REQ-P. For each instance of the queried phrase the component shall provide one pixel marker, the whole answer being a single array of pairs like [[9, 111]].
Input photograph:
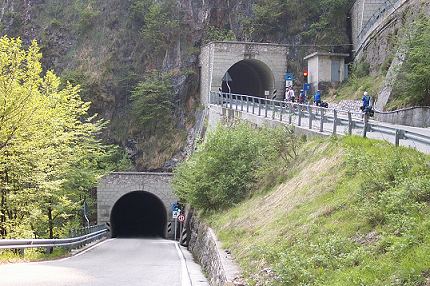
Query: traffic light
[[305, 76]]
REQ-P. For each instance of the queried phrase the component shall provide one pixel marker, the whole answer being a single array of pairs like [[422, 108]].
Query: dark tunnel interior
[[250, 77], [138, 214]]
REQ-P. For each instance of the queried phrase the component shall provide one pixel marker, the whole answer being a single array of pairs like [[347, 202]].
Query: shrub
[[224, 170]]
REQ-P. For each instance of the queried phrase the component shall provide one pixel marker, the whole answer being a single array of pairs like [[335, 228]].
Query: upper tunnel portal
[[255, 69], [249, 77]]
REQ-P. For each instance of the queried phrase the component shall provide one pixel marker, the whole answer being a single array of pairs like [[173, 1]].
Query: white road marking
[[185, 278]]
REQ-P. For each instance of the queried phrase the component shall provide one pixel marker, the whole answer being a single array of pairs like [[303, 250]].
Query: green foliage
[[413, 85], [370, 227], [49, 154], [360, 69], [162, 25], [214, 34], [318, 22], [224, 170], [152, 104], [88, 17], [138, 10]]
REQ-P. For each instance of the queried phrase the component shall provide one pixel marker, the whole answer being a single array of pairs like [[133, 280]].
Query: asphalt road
[[143, 262]]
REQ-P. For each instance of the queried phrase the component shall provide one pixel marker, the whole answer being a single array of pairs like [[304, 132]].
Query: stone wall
[[115, 185], [217, 58], [414, 116], [217, 263], [378, 45]]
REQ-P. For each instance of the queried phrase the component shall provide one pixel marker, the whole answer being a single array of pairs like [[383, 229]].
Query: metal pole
[[299, 123], [290, 117], [334, 121], [259, 106], [265, 108], [176, 221], [349, 123], [273, 110], [281, 111], [247, 104], [310, 116], [322, 120], [366, 125]]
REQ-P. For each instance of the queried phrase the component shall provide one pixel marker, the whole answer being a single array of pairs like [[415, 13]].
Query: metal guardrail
[[318, 118], [93, 234]]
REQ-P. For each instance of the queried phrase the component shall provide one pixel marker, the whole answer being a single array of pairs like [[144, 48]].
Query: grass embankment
[[354, 88], [353, 212], [9, 256]]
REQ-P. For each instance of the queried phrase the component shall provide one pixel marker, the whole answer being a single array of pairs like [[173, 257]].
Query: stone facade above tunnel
[[216, 58], [115, 185]]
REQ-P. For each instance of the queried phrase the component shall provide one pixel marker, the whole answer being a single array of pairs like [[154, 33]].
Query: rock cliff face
[[99, 45]]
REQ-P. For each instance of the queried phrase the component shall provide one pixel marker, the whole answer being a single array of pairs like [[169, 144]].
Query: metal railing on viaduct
[[325, 120]]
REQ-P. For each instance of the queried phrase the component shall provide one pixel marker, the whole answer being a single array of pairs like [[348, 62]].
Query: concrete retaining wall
[[414, 116], [218, 114], [217, 263]]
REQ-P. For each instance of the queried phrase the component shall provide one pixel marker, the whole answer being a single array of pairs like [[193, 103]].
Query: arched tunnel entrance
[[250, 77], [138, 214]]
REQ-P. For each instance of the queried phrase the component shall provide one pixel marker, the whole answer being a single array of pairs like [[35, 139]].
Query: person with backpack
[[302, 97], [367, 106]]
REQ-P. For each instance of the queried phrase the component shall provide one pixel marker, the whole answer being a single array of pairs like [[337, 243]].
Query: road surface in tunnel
[[249, 77], [114, 262], [138, 214]]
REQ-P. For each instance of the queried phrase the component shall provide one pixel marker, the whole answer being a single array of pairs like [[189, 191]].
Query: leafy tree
[[152, 104], [161, 25], [46, 137], [233, 160], [216, 34]]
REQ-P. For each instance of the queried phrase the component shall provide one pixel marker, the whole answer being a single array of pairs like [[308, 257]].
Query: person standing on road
[[367, 106], [366, 102], [317, 98], [291, 94], [302, 97]]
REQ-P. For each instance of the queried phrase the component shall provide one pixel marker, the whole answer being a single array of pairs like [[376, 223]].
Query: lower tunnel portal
[[138, 214]]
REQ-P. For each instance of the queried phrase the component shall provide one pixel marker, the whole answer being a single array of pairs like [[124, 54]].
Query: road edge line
[[184, 268]]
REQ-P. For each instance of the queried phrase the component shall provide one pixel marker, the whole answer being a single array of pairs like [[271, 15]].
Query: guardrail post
[[230, 97], [290, 116], [241, 103], [281, 111], [350, 123], [265, 108], [400, 134], [299, 123], [366, 125], [259, 106], [334, 121], [247, 104], [322, 120], [310, 116], [273, 109], [253, 105]]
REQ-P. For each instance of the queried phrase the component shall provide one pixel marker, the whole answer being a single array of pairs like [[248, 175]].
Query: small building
[[326, 68]]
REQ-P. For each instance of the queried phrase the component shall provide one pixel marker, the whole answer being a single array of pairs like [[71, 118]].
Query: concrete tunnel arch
[[250, 77], [138, 214]]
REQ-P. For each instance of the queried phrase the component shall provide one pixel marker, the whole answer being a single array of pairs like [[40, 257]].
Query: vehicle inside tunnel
[[249, 77], [138, 214]]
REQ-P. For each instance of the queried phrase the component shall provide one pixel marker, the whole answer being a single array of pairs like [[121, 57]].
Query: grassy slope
[[353, 89], [327, 226]]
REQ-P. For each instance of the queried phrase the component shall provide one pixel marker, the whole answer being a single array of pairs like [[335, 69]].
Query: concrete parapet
[[414, 116]]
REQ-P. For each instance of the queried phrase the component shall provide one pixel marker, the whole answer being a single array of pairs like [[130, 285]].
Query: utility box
[[326, 68]]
